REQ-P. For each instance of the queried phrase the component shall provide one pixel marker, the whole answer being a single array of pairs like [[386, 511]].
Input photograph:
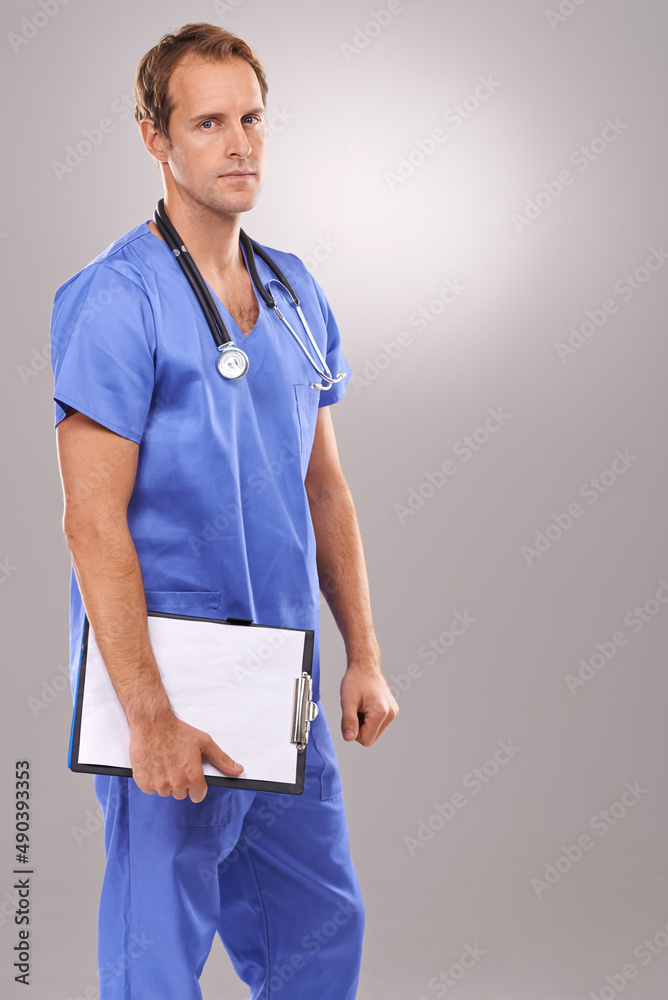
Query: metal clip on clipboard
[[304, 711], [273, 751]]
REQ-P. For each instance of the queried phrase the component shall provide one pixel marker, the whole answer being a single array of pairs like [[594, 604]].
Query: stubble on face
[[224, 95]]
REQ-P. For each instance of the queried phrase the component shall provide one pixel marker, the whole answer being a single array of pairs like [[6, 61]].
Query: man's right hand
[[166, 757], [99, 469]]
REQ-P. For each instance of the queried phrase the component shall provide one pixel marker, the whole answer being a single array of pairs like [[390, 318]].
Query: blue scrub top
[[219, 514]]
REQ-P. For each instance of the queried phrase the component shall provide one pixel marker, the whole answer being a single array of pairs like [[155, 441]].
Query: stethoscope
[[232, 362]]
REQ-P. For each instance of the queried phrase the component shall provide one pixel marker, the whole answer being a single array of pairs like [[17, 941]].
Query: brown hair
[[153, 73]]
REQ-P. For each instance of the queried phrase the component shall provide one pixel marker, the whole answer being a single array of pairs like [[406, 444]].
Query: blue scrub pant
[[271, 873]]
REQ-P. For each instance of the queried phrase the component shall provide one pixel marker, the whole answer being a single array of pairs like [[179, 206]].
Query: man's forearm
[[110, 581], [342, 571]]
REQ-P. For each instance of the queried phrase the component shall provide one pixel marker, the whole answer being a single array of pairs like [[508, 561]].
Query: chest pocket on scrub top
[[307, 413]]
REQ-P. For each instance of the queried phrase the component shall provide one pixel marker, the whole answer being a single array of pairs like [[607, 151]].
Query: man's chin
[[235, 206]]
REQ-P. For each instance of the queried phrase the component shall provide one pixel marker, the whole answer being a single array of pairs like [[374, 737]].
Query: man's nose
[[237, 142]]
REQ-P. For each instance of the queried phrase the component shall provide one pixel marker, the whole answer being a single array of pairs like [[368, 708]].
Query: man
[[191, 494]]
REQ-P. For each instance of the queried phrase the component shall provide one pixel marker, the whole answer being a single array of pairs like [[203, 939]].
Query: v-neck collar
[[228, 318]]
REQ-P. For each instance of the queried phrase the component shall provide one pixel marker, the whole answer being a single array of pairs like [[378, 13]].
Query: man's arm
[[98, 470], [367, 703]]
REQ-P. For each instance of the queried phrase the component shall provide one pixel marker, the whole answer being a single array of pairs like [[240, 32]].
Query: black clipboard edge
[[75, 734], [296, 788]]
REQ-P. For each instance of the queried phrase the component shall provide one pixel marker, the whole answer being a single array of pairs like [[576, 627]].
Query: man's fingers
[[368, 706], [384, 725], [375, 730], [167, 777], [390, 716], [220, 759], [350, 723], [376, 721], [370, 728], [198, 789], [191, 783]]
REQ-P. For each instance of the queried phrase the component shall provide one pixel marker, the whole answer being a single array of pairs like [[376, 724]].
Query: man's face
[[218, 134]]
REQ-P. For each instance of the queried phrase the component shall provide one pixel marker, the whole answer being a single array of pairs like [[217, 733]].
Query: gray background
[[346, 120]]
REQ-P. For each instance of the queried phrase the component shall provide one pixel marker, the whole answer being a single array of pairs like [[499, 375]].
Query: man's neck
[[211, 238]]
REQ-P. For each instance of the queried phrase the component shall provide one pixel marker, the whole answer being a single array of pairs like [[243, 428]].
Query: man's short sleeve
[[336, 361], [102, 350]]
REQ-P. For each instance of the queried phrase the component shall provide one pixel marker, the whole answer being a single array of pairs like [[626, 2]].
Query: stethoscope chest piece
[[232, 362]]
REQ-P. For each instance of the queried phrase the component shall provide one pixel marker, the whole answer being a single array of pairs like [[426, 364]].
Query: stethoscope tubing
[[192, 273], [212, 315]]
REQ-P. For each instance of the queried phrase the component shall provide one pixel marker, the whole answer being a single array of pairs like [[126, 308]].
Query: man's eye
[[251, 118], [207, 122]]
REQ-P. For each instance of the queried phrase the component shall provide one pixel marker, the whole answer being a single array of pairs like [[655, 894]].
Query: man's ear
[[155, 142]]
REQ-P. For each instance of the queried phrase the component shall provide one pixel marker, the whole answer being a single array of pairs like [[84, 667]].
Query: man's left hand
[[368, 704]]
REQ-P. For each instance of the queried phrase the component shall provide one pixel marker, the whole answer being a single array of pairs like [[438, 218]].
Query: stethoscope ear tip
[[318, 385]]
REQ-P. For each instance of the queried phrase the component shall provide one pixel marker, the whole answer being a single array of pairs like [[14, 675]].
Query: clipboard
[[248, 685]]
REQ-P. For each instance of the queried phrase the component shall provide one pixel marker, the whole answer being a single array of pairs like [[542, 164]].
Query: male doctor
[[191, 494]]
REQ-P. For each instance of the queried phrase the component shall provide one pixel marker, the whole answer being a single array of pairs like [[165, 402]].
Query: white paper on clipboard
[[235, 682]]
